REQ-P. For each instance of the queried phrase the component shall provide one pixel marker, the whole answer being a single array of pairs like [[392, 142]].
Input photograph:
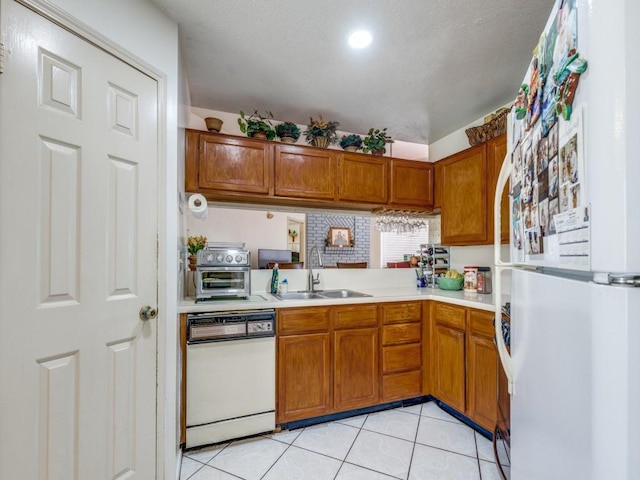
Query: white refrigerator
[[573, 171]]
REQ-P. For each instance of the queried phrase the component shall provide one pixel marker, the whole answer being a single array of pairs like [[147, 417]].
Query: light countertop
[[262, 300]]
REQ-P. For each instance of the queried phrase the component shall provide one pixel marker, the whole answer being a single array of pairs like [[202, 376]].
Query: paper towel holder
[[198, 206]]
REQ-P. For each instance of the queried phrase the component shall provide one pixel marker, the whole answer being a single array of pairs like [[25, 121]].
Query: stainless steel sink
[[342, 294], [298, 296], [319, 294]]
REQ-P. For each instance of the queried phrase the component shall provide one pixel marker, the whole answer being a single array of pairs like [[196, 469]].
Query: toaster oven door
[[223, 282]]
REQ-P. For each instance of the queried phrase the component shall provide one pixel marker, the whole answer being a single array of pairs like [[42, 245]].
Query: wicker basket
[[489, 130]]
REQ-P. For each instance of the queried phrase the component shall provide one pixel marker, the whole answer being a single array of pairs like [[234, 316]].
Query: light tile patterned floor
[[414, 443]]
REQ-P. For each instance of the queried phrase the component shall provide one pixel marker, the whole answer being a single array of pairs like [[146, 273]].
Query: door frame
[[66, 21]]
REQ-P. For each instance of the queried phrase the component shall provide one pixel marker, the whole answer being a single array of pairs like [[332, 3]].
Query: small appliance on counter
[[223, 270]]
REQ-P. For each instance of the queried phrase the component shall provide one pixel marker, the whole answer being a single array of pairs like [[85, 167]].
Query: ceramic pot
[[287, 139], [259, 135], [193, 261], [213, 124], [351, 148], [377, 152]]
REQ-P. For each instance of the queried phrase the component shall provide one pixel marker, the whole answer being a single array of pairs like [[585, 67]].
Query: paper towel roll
[[198, 206]]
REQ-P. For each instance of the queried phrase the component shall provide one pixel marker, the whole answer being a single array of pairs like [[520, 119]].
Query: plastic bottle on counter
[[284, 286], [484, 280], [274, 279]]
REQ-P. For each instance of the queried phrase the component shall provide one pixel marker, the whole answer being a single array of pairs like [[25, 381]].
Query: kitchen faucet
[[316, 280]]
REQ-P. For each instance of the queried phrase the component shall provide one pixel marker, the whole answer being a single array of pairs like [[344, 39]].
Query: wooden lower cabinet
[[345, 357], [482, 370], [304, 376], [464, 361], [401, 350], [448, 374], [355, 379]]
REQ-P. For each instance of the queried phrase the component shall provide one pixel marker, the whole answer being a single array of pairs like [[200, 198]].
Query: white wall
[[256, 228], [142, 29], [398, 149], [454, 142]]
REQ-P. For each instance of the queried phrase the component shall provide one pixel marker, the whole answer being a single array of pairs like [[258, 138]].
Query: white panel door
[[78, 257]]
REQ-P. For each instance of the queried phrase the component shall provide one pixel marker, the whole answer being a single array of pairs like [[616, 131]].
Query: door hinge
[[1, 58]]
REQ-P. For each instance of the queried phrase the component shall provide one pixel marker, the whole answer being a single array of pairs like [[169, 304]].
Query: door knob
[[147, 313]]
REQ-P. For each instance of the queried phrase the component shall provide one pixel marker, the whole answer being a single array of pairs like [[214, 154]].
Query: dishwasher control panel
[[214, 327]]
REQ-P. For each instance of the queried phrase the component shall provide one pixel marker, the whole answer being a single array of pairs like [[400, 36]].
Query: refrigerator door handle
[[505, 358]]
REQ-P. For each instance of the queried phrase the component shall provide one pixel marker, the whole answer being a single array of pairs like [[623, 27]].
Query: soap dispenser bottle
[[274, 280]]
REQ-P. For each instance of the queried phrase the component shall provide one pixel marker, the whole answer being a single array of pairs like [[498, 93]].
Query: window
[[394, 246]]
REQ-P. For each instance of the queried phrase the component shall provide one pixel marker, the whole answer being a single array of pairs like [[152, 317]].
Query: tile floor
[[420, 442]]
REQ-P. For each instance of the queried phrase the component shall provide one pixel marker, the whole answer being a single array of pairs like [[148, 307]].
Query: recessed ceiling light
[[360, 39]]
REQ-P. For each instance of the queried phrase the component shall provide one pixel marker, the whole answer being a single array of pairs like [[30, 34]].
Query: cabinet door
[[362, 178], [233, 164], [302, 172], [411, 183], [496, 151], [448, 365], [355, 368], [482, 381], [304, 376], [482, 370], [464, 198]]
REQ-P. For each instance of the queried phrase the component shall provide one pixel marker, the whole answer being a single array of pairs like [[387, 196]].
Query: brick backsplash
[[318, 231]]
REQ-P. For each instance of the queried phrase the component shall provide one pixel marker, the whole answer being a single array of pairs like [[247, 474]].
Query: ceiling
[[433, 67]]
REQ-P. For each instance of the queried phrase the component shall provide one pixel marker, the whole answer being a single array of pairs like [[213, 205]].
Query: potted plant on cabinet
[[351, 143], [195, 244], [320, 133], [376, 140], [288, 132], [257, 125]]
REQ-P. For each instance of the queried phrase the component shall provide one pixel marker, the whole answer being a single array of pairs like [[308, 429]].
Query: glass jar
[[484, 280]]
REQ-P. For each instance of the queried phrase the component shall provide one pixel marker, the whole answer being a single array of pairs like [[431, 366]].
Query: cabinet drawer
[[481, 323], [451, 315], [402, 385], [401, 357], [292, 321], [355, 317], [401, 312], [401, 333]]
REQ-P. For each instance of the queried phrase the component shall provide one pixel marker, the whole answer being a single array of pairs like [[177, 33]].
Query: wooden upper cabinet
[[362, 178], [302, 172], [227, 164], [496, 152], [411, 184], [464, 198], [437, 187]]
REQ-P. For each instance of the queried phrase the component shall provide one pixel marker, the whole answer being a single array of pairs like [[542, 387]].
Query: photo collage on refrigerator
[[548, 156]]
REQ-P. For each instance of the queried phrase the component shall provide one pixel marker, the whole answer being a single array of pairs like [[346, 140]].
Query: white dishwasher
[[230, 375]]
